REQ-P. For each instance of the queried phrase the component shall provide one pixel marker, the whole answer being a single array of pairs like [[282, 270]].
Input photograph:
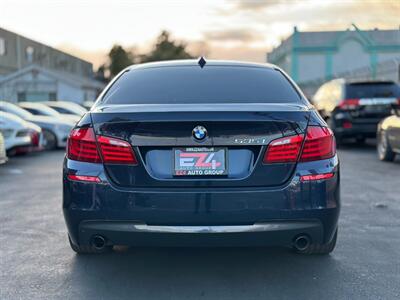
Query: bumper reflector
[[83, 178], [316, 177]]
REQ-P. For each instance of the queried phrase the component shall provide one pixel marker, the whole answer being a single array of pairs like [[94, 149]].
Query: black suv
[[353, 109]]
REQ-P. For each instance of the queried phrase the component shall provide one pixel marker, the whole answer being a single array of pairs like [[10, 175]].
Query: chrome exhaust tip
[[302, 242], [98, 242]]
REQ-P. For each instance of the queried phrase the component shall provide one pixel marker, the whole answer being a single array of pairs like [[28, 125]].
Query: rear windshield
[[372, 90], [191, 84]]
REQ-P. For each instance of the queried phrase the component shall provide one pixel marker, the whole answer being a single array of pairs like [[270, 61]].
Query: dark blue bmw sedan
[[184, 153]]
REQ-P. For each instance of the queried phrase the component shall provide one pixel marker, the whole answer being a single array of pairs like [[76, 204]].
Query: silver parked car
[[65, 108], [55, 130], [40, 109], [3, 155]]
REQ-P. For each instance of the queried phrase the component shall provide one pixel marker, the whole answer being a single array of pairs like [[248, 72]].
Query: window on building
[[52, 96], [21, 97], [29, 52], [36, 96], [2, 46]]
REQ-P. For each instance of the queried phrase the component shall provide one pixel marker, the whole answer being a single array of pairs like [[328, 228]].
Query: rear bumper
[[357, 130], [17, 142], [273, 233], [359, 127], [253, 216]]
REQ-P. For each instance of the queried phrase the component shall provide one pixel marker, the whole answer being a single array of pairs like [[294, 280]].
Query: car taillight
[[347, 124], [84, 178], [116, 151], [82, 146], [312, 177], [319, 144], [349, 104], [35, 138], [283, 150]]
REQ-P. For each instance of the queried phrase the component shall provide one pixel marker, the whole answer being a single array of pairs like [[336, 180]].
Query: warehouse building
[[311, 58], [32, 71]]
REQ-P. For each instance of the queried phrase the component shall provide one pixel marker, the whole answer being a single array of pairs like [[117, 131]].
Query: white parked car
[[19, 135], [3, 155], [40, 109], [68, 109], [55, 130], [88, 104]]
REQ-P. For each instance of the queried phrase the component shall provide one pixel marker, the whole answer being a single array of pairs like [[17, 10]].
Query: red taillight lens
[[116, 151], [347, 125], [349, 104], [316, 177], [82, 146], [83, 178], [34, 138], [283, 150], [319, 144]]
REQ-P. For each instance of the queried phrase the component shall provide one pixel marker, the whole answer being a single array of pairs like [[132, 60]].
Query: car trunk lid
[[242, 131]]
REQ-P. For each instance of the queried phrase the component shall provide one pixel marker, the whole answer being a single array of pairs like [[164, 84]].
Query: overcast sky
[[221, 29]]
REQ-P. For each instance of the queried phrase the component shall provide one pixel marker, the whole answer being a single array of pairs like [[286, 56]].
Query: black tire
[[322, 249], [383, 148], [88, 249], [50, 140]]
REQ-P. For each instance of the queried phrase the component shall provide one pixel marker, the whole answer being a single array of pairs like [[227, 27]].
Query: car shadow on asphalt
[[241, 273]]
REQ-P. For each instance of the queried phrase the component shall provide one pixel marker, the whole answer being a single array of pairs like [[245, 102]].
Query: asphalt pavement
[[37, 263]]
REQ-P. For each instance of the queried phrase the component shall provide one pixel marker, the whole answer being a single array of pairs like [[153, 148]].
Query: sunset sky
[[242, 30]]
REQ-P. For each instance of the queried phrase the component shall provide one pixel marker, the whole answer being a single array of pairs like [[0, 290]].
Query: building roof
[[72, 79], [44, 45], [329, 40]]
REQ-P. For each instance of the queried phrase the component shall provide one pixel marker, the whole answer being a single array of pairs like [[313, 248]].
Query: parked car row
[[35, 126], [360, 110]]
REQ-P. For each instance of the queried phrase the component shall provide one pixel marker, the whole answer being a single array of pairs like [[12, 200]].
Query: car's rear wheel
[[315, 248], [384, 150], [49, 140], [88, 249]]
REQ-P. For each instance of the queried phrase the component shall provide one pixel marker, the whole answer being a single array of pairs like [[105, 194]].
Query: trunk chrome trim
[[136, 226], [257, 227], [204, 107]]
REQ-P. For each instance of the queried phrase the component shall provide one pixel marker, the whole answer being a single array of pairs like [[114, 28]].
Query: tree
[[100, 74], [166, 49], [119, 59]]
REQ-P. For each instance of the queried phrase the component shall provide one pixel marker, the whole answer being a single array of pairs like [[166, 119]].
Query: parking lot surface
[[37, 263]]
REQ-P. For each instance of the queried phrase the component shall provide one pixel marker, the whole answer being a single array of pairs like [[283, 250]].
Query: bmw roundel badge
[[199, 133]]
